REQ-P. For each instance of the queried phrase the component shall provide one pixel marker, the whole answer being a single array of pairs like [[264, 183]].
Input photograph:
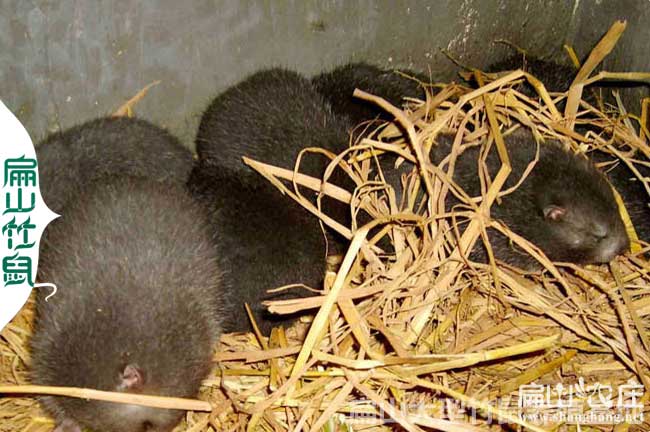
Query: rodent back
[[555, 76], [337, 87], [269, 116], [265, 239], [73, 159], [140, 290]]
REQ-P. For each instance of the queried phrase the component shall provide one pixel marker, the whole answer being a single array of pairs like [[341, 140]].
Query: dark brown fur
[[270, 240], [555, 76], [589, 229], [139, 305], [337, 86], [267, 240], [270, 116], [71, 160]]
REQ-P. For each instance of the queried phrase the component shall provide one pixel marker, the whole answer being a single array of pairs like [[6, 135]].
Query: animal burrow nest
[[408, 333]]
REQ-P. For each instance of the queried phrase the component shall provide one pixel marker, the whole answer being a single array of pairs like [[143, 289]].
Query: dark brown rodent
[[558, 77], [270, 240], [565, 206], [71, 160], [140, 303], [584, 225]]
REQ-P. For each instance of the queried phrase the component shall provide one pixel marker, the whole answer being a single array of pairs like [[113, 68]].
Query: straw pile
[[417, 337]]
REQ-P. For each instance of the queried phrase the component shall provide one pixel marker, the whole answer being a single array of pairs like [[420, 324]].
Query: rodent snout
[[612, 246]]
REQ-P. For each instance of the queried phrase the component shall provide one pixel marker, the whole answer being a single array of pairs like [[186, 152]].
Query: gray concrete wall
[[65, 61]]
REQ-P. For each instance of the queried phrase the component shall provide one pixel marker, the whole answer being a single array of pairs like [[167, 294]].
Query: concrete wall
[[65, 61]]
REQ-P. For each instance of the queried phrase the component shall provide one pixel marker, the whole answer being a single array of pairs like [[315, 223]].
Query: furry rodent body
[[270, 116], [337, 86], [558, 77], [266, 241], [565, 206], [585, 224], [71, 160], [139, 303], [270, 240]]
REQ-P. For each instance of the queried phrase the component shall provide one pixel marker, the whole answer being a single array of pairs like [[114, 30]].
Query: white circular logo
[[23, 218]]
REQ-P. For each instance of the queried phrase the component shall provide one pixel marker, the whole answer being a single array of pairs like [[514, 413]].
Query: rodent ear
[[132, 378], [554, 213]]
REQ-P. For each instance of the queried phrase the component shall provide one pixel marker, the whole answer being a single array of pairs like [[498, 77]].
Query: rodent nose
[[613, 247]]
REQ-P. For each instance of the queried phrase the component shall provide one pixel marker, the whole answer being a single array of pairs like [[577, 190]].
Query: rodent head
[[581, 236], [136, 311], [580, 218], [151, 359], [109, 417], [115, 417], [564, 206], [163, 373]]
